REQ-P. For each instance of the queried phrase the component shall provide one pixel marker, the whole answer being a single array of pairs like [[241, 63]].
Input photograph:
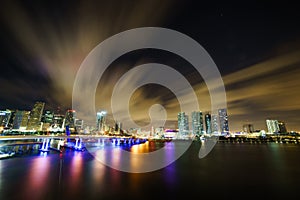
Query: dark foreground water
[[230, 171]]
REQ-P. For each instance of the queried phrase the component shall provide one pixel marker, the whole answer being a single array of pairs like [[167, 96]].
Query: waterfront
[[229, 171]]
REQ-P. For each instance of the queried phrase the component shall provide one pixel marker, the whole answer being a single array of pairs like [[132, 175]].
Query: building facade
[[215, 124], [208, 128], [101, 120], [69, 122], [183, 124], [197, 123], [34, 121], [223, 118]]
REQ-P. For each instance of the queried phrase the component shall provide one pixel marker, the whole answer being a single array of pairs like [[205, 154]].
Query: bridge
[[44, 143]]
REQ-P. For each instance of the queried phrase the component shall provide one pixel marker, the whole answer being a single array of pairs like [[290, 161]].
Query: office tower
[[24, 121], [183, 123], [223, 118], [248, 128], [118, 127], [208, 123], [4, 118], [272, 126], [58, 120], [48, 117], [215, 124], [79, 124], [34, 121], [11, 120], [101, 120], [197, 123], [18, 119], [70, 120], [282, 127]]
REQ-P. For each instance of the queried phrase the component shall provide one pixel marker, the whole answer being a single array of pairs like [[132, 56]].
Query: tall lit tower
[[70, 120], [223, 121], [4, 118], [35, 116], [282, 127], [24, 121], [18, 119], [248, 128], [208, 123], [118, 127], [183, 123], [197, 123], [48, 117], [272, 126], [58, 120], [101, 120], [215, 124]]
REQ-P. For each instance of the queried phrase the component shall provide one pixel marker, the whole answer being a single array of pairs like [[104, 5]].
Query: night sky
[[255, 45]]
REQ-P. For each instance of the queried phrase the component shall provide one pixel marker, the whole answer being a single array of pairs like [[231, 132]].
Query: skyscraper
[[4, 118], [208, 123], [282, 127], [118, 127], [48, 117], [18, 119], [248, 128], [24, 121], [183, 124], [58, 120], [272, 126], [70, 120], [101, 120], [223, 118], [34, 121], [215, 124], [79, 124], [197, 123], [12, 118]]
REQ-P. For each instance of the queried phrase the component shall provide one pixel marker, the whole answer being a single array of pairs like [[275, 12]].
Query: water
[[234, 171]]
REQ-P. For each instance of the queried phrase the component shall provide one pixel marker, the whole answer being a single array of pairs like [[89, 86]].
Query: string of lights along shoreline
[[39, 120]]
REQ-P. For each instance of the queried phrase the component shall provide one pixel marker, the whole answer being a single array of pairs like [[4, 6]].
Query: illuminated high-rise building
[[34, 121], [12, 118], [48, 117], [282, 127], [70, 120], [4, 118], [272, 126], [101, 120], [248, 128], [208, 128], [197, 123], [58, 120], [24, 121], [18, 119], [183, 124], [223, 118], [79, 124], [215, 124], [118, 127]]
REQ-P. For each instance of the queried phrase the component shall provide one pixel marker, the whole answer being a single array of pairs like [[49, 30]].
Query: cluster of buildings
[[38, 119], [203, 123], [273, 127]]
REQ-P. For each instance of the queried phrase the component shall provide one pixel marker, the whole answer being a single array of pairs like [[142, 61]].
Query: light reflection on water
[[38, 174], [76, 169]]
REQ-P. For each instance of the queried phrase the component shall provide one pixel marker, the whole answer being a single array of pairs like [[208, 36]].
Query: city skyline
[[196, 122], [254, 45]]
